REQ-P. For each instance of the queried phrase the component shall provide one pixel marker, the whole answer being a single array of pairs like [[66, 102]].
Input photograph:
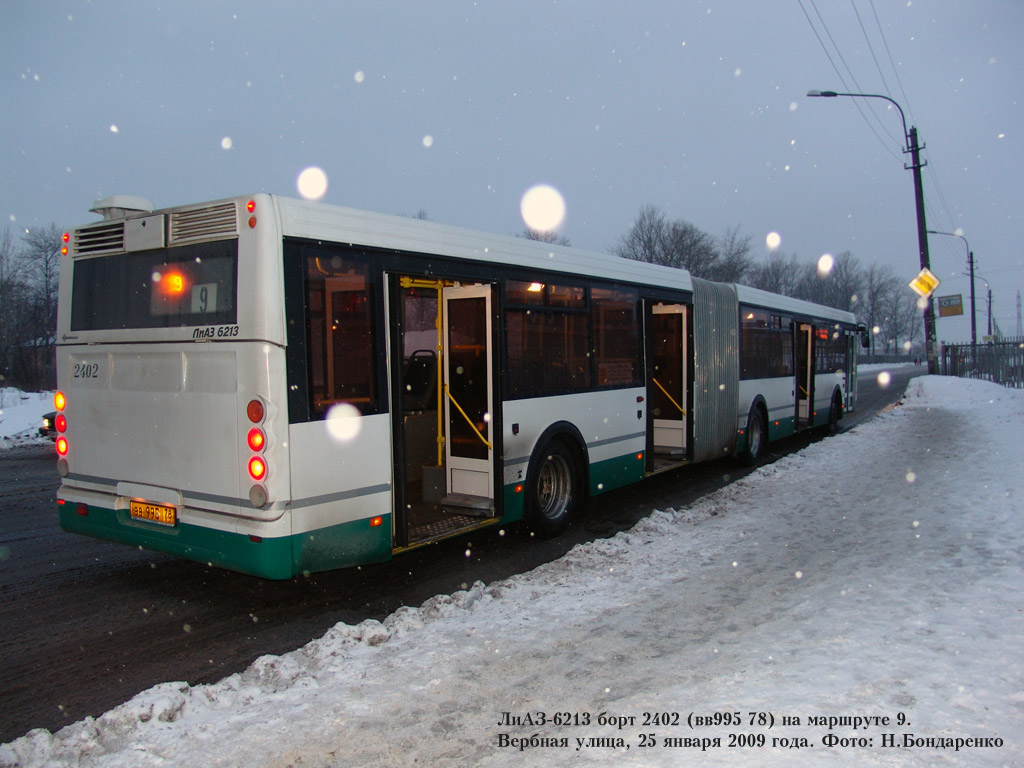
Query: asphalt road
[[87, 624]]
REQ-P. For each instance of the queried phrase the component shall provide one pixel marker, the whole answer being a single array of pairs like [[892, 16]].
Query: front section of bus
[[171, 370]]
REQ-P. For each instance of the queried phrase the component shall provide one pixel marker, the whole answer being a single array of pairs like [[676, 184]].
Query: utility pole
[[970, 265], [922, 244], [922, 230], [974, 325]]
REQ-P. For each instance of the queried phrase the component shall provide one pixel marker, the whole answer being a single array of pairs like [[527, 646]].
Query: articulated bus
[[279, 387]]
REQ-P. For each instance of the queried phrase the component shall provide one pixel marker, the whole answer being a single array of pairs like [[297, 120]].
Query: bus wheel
[[834, 414], [552, 489], [757, 437]]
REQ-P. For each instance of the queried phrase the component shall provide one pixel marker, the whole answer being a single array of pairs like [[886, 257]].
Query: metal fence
[[999, 361]]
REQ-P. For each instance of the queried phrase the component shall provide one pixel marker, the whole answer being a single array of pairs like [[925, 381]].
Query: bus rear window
[[164, 288]]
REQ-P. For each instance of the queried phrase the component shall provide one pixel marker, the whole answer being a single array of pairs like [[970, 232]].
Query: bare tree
[[656, 240], [912, 321], [13, 294], [734, 261], [837, 284], [552, 237], [28, 306], [645, 239], [844, 282], [689, 248], [779, 274], [41, 256], [901, 323], [880, 283]]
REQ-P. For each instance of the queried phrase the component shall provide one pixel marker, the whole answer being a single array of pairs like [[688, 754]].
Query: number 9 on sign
[[204, 298]]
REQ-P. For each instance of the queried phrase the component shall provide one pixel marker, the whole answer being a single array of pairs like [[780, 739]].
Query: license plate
[[154, 513]]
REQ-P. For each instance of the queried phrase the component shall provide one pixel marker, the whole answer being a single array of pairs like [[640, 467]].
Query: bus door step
[[664, 450], [478, 506]]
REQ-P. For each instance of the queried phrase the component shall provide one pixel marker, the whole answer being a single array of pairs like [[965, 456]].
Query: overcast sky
[[457, 108]]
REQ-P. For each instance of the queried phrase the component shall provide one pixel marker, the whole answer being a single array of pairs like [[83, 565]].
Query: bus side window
[[341, 334]]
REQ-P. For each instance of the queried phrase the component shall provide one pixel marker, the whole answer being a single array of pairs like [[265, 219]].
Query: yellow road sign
[[925, 283]]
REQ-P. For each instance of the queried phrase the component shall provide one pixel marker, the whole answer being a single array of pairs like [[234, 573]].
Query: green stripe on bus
[[604, 476], [781, 428], [614, 473], [514, 503], [337, 546], [777, 429]]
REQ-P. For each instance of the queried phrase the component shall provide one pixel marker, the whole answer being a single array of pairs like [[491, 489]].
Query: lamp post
[[922, 234], [970, 266], [989, 288]]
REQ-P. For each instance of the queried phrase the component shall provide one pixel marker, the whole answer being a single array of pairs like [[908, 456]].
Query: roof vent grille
[[204, 223], [107, 237]]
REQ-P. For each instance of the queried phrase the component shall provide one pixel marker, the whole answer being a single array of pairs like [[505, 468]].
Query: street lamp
[[922, 237], [970, 266], [989, 288]]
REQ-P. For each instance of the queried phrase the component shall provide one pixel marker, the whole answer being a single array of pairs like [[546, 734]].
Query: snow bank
[[21, 414], [865, 592]]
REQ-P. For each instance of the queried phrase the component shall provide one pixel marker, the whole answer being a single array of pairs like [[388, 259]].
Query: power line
[[867, 39], [846, 87], [942, 197], [946, 208], [858, 88], [896, 72], [853, 77], [945, 213]]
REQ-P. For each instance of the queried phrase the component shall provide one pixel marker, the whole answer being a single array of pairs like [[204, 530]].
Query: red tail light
[[257, 468], [60, 402], [256, 439]]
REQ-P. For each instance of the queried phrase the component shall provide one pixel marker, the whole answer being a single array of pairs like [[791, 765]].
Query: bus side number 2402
[[86, 371]]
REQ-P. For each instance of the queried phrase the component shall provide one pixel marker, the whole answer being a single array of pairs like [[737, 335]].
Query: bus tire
[[835, 413], [552, 488], [757, 437]]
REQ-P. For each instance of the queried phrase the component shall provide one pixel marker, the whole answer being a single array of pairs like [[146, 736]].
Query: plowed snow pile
[[864, 598]]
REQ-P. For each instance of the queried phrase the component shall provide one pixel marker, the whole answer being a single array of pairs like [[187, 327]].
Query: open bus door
[[443, 392], [468, 401], [667, 386], [850, 404], [804, 374], [854, 339]]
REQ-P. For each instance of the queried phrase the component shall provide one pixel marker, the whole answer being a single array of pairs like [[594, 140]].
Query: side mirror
[[865, 337]]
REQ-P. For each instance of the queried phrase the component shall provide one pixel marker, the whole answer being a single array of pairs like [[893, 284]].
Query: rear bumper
[[278, 557]]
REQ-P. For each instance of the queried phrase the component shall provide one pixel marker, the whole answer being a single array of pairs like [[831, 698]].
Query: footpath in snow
[[857, 603]]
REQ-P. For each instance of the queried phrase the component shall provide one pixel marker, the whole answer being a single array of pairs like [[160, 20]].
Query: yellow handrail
[[435, 285], [670, 398], [468, 420]]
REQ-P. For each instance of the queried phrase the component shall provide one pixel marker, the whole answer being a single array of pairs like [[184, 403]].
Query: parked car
[[48, 427]]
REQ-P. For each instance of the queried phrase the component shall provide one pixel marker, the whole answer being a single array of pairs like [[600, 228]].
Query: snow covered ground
[[857, 603], [21, 414]]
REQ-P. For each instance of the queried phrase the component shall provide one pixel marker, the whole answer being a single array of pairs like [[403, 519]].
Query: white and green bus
[[278, 387]]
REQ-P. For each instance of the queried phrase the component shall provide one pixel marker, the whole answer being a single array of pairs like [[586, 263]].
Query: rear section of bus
[[171, 371]]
